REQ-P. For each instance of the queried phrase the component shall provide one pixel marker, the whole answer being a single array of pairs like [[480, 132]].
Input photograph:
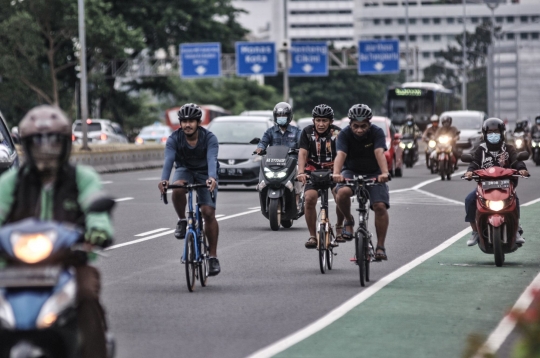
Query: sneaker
[[473, 240], [519, 239], [213, 264], [180, 232]]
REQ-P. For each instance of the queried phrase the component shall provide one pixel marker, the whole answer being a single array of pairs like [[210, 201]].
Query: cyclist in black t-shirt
[[317, 151]]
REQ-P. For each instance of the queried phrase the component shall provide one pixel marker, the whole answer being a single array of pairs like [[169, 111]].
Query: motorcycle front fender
[[496, 220], [275, 193]]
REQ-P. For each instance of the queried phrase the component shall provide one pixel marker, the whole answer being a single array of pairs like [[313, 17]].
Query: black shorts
[[377, 193], [312, 187]]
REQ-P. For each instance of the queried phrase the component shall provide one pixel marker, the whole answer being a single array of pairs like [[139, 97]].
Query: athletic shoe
[[213, 264], [180, 232], [473, 240]]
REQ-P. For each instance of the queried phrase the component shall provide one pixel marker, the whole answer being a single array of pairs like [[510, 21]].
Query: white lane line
[[107, 182], [506, 326], [153, 178], [123, 199], [340, 311], [219, 216], [152, 232], [171, 231], [255, 207], [440, 197], [531, 202], [424, 183]]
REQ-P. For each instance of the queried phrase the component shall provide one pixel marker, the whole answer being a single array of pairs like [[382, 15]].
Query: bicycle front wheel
[[360, 256], [367, 260], [203, 264], [191, 265], [322, 249]]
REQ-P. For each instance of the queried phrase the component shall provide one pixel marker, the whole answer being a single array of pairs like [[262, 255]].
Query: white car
[[156, 133], [100, 131]]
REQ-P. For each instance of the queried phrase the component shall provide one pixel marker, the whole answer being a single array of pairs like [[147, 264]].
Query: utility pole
[[406, 40], [492, 4], [82, 63], [464, 61], [286, 56]]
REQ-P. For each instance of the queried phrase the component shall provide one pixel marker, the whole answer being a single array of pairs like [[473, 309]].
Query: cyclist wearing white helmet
[[360, 151]]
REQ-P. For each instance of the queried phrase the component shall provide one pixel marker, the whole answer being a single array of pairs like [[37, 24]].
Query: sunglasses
[[360, 125]]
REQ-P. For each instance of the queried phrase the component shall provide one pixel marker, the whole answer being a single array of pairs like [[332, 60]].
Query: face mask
[[409, 123], [494, 138], [282, 121]]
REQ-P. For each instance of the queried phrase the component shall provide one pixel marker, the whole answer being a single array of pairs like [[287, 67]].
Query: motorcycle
[[430, 148], [276, 186], [442, 158], [38, 288], [410, 150], [520, 141], [535, 145], [497, 210]]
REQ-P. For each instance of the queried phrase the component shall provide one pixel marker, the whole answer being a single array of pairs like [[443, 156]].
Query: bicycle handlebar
[[189, 187]]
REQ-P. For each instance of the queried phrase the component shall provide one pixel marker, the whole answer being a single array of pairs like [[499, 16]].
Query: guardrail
[[108, 158]]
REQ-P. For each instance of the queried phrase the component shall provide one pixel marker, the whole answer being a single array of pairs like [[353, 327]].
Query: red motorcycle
[[497, 212]]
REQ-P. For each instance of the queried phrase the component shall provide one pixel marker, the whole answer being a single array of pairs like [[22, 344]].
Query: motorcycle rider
[[536, 127], [194, 150], [429, 133], [452, 132], [493, 152], [410, 128], [360, 151], [523, 127], [317, 151], [49, 188]]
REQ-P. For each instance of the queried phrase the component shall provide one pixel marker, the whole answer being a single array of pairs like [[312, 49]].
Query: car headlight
[[432, 143], [495, 205], [402, 145], [409, 145], [444, 139], [32, 248], [139, 140], [56, 304]]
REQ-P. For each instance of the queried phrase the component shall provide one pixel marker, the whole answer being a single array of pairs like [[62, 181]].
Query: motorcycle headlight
[[7, 318], [56, 304], [444, 139], [534, 144], [432, 143], [495, 205], [271, 175], [409, 145], [519, 142], [32, 248], [402, 145]]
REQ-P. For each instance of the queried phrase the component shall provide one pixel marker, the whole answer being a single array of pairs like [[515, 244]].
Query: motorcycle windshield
[[276, 156]]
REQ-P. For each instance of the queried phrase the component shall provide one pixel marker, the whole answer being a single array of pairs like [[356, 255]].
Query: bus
[[421, 99], [209, 112]]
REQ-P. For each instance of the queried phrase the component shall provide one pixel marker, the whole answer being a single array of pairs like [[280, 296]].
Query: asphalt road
[[270, 285]]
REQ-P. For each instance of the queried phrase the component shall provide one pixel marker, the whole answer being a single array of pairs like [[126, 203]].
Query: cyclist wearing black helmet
[[317, 151], [193, 150], [494, 152], [360, 151]]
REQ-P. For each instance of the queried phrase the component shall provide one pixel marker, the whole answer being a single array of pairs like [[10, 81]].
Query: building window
[[388, 37], [450, 37], [524, 19], [412, 38], [412, 21], [510, 19], [436, 20], [474, 20], [524, 36], [426, 54], [322, 12], [376, 21], [388, 21], [307, 26], [486, 19], [450, 20], [377, 37], [499, 19], [401, 37], [534, 35], [436, 37], [510, 36], [401, 21], [390, 4], [425, 21], [426, 37]]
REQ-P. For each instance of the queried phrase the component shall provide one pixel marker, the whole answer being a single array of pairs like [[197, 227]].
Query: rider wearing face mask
[[448, 129], [494, 152], [410, 128], [536, 127]]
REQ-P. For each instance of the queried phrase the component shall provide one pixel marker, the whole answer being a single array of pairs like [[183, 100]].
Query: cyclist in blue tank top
[[193, 150], [360, 151]]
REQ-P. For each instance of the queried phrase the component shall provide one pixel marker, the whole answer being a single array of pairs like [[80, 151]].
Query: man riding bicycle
[[317, 151], [193, 150], [360, 151]]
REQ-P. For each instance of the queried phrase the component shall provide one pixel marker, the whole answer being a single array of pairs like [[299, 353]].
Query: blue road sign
[[200, 60], [378, 57], [256, 58], [309, 59]]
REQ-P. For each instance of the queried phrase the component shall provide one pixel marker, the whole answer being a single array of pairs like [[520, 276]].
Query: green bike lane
[[428, 311]]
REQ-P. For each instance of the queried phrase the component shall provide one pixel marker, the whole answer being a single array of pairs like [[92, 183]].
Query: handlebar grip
[[164, 198]]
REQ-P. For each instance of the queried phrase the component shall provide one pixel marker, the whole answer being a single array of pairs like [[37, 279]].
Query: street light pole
[[286, 57], [82, 63], [464, 61], [492, 4], [406, 40]]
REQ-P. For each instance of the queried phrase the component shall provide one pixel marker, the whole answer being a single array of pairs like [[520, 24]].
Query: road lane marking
[[531, 202], [123, 199], [152, 179], [343, 309], [424, 183], [440, 197], [219, 216], [255, 207], [152, 232], [107, 182]]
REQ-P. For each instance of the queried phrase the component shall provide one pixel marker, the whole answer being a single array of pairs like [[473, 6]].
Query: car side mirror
[[467, 158], [255, 140], [523, 156]]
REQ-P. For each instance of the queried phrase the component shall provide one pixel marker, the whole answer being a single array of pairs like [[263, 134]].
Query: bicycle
[[196, 250], [364, 251], [322, 181]]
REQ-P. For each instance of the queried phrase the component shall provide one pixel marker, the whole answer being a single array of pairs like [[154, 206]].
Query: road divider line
[[152, 232], [353, 302], [219, 216], [440, 197], [531, 202], [424, 183], [123, 199], [107, 182], [150, 179], [255, 207]]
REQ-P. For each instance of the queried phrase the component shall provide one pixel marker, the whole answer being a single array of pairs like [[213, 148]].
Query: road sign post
[[256, 58], [200, 60], [309, 59], [378, 57]]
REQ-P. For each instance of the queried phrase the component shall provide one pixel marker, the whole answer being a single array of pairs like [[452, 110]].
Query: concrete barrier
[[108, 158]]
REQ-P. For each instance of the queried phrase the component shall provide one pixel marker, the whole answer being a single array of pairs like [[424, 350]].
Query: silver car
[[156, 133], [237, 164], [100, 131], [469, 123]]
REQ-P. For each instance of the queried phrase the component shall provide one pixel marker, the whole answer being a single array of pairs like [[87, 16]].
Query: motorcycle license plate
[[496, 184], [29, 276], [231, 172]]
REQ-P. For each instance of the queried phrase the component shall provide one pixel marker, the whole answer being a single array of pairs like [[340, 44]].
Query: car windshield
[[467, 122], [92, 127], [155, 131], [241, 132]]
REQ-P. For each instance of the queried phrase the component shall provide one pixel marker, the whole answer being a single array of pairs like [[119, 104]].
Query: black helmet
[[190, 111], [283, 109], [323, 111], [446, 119], [537, 120], [522, 124], [360, 112], [493, 123]]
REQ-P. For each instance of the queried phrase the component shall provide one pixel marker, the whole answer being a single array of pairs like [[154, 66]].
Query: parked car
[[469, 123], [304, 122], [155, 133], [8, 154], [100, 131], [237, 164], [394, 154]]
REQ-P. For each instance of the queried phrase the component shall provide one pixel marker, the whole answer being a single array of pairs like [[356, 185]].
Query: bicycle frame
[[324, 218], [193, 227]]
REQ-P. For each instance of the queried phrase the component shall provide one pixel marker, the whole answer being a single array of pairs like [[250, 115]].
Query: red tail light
[[164, 140], [103, 136], [73, 137]]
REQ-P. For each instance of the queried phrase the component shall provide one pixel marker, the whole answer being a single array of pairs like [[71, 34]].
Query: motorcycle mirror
[[101, 205], [255, 140], [467, 158], [523, 156]]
